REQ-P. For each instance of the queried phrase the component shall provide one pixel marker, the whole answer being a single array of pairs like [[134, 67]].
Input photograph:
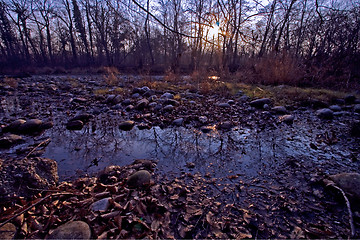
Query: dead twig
[[39, 145], [33, 205], [351, 221]]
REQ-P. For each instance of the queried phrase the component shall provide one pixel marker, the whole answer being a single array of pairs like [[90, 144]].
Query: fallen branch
[[39, 145], [351, 221], [33, 205]]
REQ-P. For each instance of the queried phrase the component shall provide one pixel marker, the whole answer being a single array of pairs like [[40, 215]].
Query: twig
[[351, 221], [33, 205], [39, 145]]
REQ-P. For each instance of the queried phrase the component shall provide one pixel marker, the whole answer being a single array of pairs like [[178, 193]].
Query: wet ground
[[270, 167]]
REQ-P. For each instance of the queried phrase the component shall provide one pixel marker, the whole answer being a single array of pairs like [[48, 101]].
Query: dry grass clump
[[11, 82], [111, 76]]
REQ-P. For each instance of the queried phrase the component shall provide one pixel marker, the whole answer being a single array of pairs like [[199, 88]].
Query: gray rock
[[14, 126], [335, 108], [259, 103], [279, 110], [143, 103], [178, 122], [75, 125], [339, 113], [349, 182], [152, 98], [231, 102], [84, 117], [129, 108], [350, 99], [9, 140], [8, 231], [145, 89], [110, 98], [137, 90], [31, 126], [325, 113], [243, 98], [71, 230], [127, 125], [139, 179], [135, 95], [47, 125], [168, 108], [171, 102], [126, 102], [266, 107], [101, 205], [357, 108], [224, 105], [203, 119], [167, 96], [152, 105], [289, 119], [206, 129]]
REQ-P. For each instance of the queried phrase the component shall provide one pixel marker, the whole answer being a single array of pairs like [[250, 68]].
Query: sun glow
[[214, 30]]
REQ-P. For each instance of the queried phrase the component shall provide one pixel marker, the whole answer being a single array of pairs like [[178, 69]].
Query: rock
[[152, 98], [239, 93], [279, 110], [127, 125], [136, 90], [143, 103], [106, 176], [14, 126], [47, 125], [8, 231], [31, 126], [178, 122], [243, 99], [139, 179], [167, 96], [101, 205], [79, 100], [129, 108], [9, 140], [152, 105], [266, 107], [203, 119], [135, 95], [207, 129], [231, 102], [350, 99], [325, 113], [75, 125], [110, 98], [84, 117], [145, 163], [259, 103], [149, 93], [335, 108], [168, 108], [357, 108], [225, 125], [126, 102], [190, 165], [71, 230], [349, 182], [224, 105], [355, 129], [289, 119], [143, 126], [171, 102], [144, 89]]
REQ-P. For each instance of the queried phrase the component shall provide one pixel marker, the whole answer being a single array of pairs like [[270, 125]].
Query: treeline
[[314, 37]]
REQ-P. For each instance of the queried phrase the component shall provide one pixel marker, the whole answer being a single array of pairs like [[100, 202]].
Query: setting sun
[[214, 29]]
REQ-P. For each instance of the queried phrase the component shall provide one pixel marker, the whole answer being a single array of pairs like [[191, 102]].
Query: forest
[[278, 41]]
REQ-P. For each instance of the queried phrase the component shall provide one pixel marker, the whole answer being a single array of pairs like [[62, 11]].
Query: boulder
[[349, 182], [75, 125], [71, 230], [259, 103], [14, 126], [129, 108], [9, 140], [126, 125], [325, 113], [126, 102], [139, 179]]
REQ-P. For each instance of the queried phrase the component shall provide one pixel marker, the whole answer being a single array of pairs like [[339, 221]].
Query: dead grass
[[111, 76], [11, 82]]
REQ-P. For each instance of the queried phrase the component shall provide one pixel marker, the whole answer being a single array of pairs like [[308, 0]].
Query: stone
[[152, 105], [129, 108], [349, 182], [167, 96], [325, 113], [143, 103], [79, 100], [350, 99], [178, 122], [139, 179], [171, 102], [152, 98], [8, 231], [225, 125], [144, 89], [240, 93], [9, 140], [71, 230], [75, 125], [357, 108], [355, 129], [279, 110], [31, 126], [259, 103], [149, 93], [47, 125], [135, 95], [14, 126], [101, 205], [231, 102], [84, 117], [110, 98], [335, 108], [126, 125], [224, 105], [203, 119], [266, 107], [206, 129], [243, 99], [126, 102], [289, 119], [168, 108], [136, 90], [143, 126]]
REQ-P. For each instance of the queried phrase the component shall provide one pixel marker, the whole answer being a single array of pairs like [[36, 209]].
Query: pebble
[[279, 110], [71, 230], [225, 125], [259, 103], [127, 125], [335, 108], [224, 105], [178, 122], [289, 119], [325, 113], [75, 125], [168, 108], [101, 205], [167, 96], [139, 179], [143, 103]]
